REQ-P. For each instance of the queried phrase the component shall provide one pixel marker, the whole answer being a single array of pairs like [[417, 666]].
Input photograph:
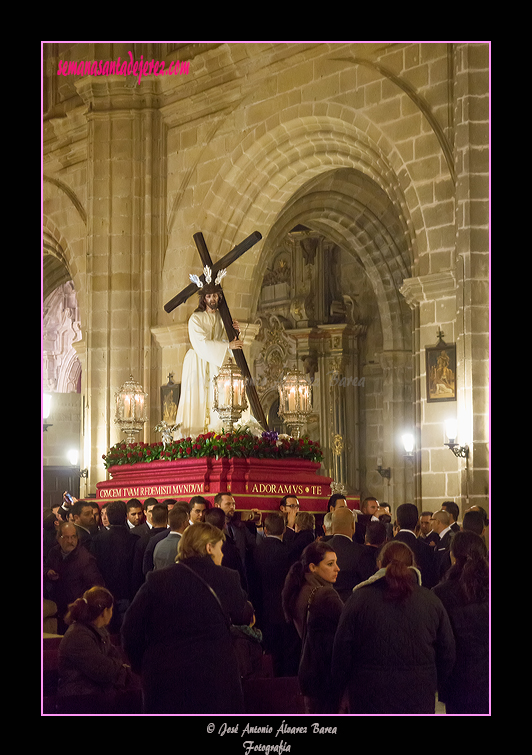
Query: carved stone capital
[[429, 288]]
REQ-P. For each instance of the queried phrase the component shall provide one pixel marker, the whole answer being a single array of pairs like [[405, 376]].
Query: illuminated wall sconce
[[408, 445], [46, 408], [451, 432], [73, 457]]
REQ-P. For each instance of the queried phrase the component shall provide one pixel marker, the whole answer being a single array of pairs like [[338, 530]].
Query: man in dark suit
[[135, 513], [348, 552], [114, 551], [407, 517], [159, 529], [453, 510], [82, 515], [441, 526], [237, 531], [231, 555], [272, 562], [156, 523], [375, 538], [142, 530]]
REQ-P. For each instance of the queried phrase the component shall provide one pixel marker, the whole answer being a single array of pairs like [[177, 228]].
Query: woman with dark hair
[[89, 664], [313, 605], [464, 592], [177, 630], [394, 645]]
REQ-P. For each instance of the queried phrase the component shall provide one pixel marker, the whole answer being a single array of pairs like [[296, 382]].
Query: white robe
[[202, 362]]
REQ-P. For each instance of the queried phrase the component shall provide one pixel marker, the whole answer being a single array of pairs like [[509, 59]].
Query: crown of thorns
[[207, 274]]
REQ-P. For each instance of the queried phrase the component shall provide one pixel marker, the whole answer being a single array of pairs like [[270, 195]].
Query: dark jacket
[[178, 638], [392, 656], [467, 690], [77, 573], [299, 543], [349, 555], [424, 556], [114, 551], [272, 561], [89, 664], [323, 610]]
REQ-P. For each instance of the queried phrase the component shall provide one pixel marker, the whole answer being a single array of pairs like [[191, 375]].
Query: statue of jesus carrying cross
[[212, 332]]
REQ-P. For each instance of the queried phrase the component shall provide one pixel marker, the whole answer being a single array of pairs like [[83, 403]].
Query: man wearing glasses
[[289, 506]]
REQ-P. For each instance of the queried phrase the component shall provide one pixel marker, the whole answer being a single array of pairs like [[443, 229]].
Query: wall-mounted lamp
[[386, 473], [451, 432], [46, 408], [408, 445], [73, 458]]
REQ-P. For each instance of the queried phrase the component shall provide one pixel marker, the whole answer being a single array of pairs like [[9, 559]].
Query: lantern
[[294, 401], [130, 411], [229, 393]]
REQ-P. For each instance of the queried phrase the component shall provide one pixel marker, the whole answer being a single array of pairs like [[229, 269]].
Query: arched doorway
[[330, 271]]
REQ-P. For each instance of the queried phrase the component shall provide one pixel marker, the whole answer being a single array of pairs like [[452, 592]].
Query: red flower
[[189, 451]]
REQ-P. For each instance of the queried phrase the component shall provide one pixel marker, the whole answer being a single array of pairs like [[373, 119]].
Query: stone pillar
[[472, 266], [124, 234], [340, 385], [398, 418], [433, 299]]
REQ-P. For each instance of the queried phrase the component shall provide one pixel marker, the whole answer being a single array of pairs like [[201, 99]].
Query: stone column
[[340, 385], [398, 417], [124, 241], [472, 266], [433, 299]]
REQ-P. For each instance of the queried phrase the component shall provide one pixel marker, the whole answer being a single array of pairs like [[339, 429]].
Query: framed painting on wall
[[441, 371]]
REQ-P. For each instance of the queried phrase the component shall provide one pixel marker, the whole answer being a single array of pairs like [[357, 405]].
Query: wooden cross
[[227, 320]]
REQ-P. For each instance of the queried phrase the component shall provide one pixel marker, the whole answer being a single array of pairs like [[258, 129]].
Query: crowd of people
[[373, 612]]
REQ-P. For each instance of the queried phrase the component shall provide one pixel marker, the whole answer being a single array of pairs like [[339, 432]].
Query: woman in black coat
[[394, 645], [465, 594], [313, 605], [176, 633]]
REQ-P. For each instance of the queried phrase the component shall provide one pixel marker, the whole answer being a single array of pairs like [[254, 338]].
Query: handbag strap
[[309, 601], [207, 585]]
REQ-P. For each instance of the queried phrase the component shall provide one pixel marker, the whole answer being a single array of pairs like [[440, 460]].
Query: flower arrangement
[[240, 443]]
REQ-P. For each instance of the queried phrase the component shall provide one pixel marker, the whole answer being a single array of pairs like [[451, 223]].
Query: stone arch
[[289, 149], [365, 225], [271, 164]]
